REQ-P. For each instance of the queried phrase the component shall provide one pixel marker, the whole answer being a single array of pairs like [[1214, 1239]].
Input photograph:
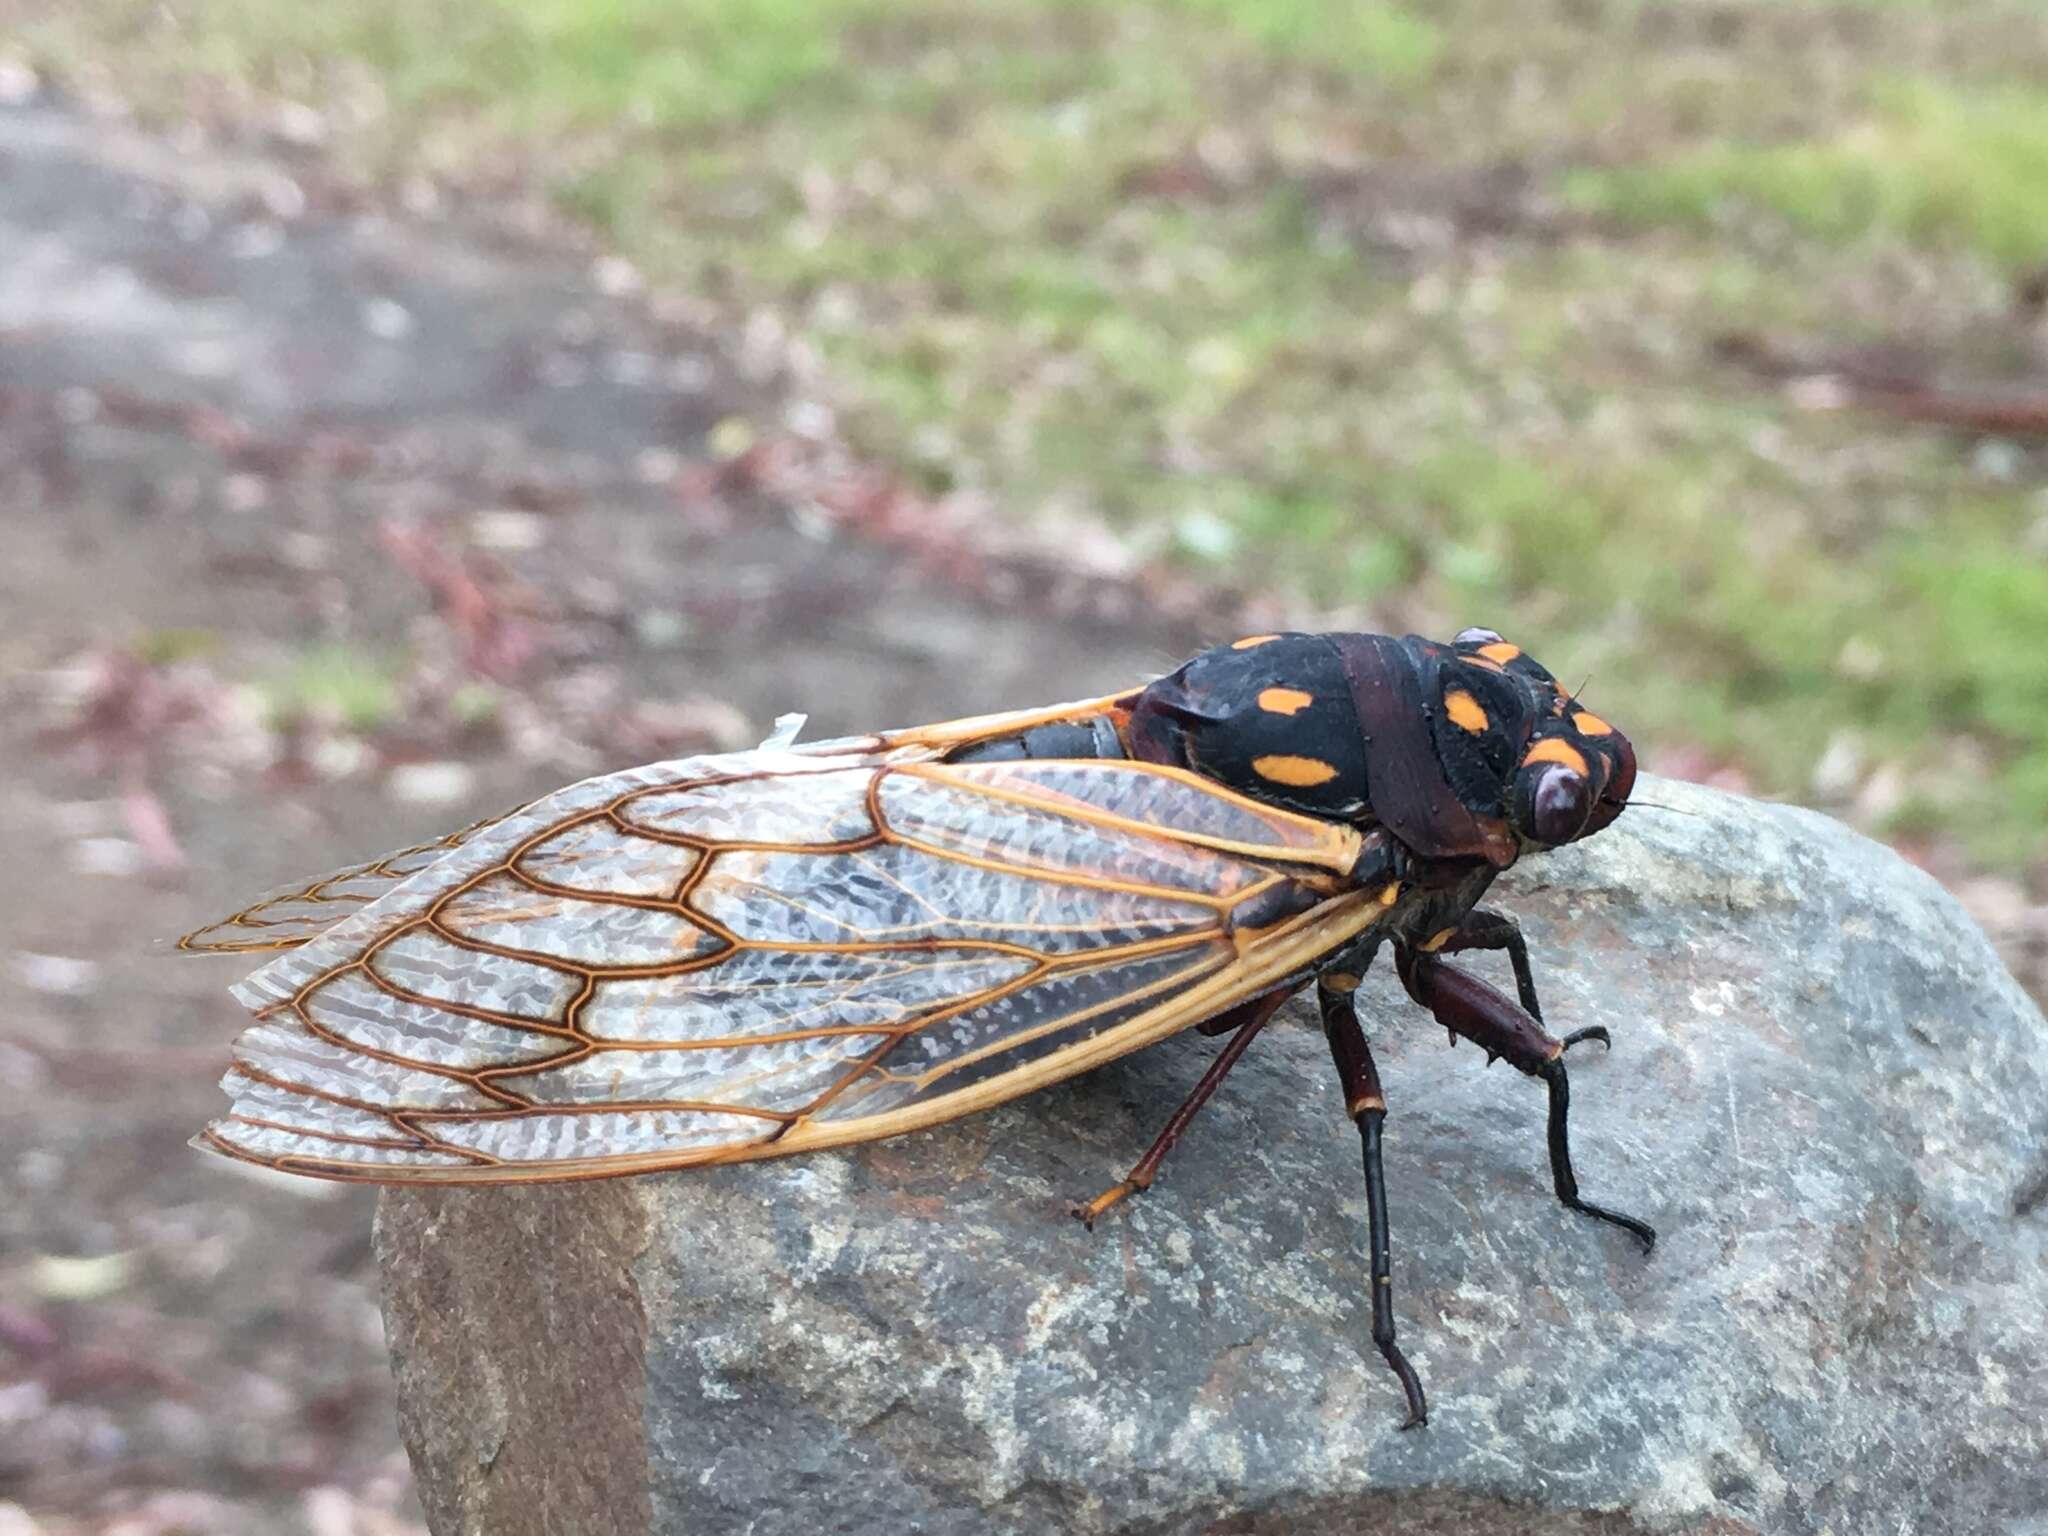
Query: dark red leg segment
[[1248, 1019], [1367, 1105], [1467, 1006]]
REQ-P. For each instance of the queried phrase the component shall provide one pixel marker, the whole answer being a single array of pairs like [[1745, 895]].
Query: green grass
[[333, 685], [1252, 285], [1369, 37], [536, 64], [1928, 167]]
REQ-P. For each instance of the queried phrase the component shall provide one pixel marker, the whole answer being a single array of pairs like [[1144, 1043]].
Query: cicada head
[[1574, 771]]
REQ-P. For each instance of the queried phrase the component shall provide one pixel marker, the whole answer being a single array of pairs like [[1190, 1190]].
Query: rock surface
[[1824, 1090]]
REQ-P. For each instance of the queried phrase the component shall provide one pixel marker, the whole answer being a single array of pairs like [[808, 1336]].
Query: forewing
[[740, 956], [293, 914]]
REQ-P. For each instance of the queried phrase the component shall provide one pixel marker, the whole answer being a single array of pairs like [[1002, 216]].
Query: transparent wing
[[760, 953], [290, 915]]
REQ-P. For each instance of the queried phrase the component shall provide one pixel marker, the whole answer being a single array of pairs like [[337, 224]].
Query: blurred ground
[[440, 514], [1693, 343]]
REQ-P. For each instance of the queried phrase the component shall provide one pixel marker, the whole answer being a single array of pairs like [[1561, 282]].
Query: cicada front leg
[[1467, 1006], [1483, 929]]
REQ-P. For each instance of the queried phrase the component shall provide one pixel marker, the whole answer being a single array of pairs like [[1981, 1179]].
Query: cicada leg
[[1367, 1105], [1248, 1019], [1467, 1006]]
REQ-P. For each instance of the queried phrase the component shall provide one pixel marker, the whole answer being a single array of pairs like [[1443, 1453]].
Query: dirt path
[[215, 399]]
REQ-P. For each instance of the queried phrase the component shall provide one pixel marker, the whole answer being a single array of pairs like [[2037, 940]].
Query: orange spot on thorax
[[1297, 772], [1284, 701], [1465, 711]]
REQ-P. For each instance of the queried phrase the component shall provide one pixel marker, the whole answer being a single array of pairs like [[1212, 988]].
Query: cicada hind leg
[[1247, 1019]]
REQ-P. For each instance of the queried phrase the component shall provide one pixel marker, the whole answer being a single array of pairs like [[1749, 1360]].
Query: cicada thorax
[[1417, 737]]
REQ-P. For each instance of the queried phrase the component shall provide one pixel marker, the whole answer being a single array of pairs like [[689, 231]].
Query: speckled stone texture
[[1824, 1090]]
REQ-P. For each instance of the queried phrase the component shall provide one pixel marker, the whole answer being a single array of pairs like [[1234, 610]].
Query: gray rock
[[1824, 1090]]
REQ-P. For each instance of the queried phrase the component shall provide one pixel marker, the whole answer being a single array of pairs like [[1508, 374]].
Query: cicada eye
[[1476, 637], [1559, 806]]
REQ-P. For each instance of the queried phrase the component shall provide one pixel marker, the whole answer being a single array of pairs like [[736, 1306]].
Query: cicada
[[754, 954]]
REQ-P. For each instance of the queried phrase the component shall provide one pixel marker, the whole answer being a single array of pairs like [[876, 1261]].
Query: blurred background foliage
[[1420, 314]]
